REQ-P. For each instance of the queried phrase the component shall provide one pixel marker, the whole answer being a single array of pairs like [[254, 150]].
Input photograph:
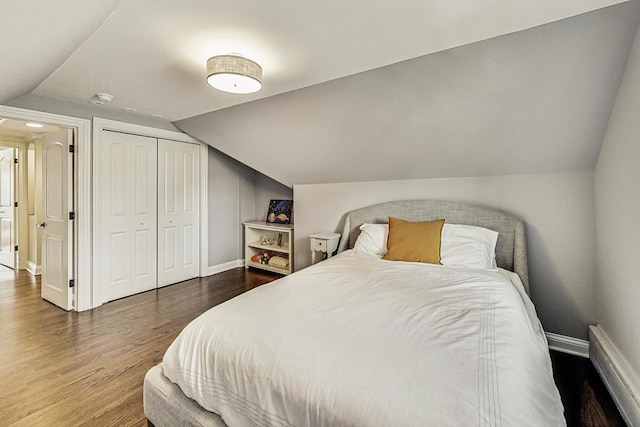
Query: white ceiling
[[151, 54], [38, 36], [18, 130]]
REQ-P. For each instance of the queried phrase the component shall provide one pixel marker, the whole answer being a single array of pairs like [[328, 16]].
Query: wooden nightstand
[[323, 242]]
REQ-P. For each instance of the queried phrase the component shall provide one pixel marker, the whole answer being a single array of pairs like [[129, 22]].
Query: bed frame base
[[166, 406]]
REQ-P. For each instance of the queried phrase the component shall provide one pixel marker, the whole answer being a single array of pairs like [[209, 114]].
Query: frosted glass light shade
[[235, 74]]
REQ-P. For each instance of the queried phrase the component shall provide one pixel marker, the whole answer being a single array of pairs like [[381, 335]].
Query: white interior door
[[57, 230], [125, 168], [8, 255], [178, 212]]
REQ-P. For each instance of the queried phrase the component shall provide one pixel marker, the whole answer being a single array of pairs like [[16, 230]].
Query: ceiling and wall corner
[[517, 86], [85, 111], [151, 54], [536, 101], [502, 104], [617, 203], [39, 38]]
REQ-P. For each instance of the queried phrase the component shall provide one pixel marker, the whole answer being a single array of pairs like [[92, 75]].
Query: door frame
[[22, 216], [16, 210], [100, 125], [82, 265]]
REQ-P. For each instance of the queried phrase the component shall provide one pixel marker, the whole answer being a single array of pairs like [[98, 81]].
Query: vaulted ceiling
[[342, 80]]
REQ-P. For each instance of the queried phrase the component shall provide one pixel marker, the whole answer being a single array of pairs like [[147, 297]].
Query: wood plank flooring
[[584, 396], [81, 369], [86, 369]]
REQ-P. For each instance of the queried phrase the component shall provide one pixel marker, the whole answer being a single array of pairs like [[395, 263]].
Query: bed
[[361, 340]]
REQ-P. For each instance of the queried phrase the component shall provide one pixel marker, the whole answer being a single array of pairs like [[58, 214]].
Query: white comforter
[[360, 341]]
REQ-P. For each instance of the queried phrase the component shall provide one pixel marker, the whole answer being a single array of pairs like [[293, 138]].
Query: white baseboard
[[565, 344], [215, 269], [34, 269], [616, 375]]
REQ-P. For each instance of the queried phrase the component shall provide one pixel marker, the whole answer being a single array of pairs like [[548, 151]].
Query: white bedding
[[360, 341]]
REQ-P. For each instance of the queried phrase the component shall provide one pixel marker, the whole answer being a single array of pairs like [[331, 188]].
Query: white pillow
[[468, 246], [372, 239]]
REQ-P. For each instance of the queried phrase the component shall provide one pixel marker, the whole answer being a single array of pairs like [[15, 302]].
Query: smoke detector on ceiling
[[102, 98]]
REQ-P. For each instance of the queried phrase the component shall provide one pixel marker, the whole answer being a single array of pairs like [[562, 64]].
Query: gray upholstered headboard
[[511, 249]]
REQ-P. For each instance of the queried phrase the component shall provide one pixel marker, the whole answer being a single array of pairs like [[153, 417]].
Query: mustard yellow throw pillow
[[414, 241]]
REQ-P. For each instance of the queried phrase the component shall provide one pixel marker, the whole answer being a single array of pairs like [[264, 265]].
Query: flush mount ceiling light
[[233, 73]]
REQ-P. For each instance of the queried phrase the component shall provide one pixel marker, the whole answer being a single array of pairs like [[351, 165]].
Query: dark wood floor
[[86, 369], [584, 396], [77, 369]]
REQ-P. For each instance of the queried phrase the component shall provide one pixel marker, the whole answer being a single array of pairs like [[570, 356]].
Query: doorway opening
[[37, 205], [21, 192]]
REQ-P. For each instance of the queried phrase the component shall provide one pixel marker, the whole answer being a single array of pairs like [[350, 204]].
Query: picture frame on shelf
[[280, 211]]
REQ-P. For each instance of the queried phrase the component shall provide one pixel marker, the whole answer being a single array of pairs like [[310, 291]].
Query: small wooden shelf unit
[[255, 232]]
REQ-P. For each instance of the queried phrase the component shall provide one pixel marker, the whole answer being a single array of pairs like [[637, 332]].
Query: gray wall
[[557, 209], [237, 194], [267, 189], [231, 201], [617, 195]]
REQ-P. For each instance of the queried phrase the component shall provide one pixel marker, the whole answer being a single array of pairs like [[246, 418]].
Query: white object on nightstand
[[323, 242]]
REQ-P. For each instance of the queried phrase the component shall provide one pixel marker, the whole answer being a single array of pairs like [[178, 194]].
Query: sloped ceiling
[[151, 54], [537, 101], [39, 36], [410, 87]]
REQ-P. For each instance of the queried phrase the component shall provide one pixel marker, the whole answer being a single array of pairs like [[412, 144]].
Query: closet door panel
[[169, 248], [126, 184], [178, 211], [117, 258]]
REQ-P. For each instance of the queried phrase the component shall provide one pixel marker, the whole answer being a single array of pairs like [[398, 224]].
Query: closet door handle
[[41, 225]]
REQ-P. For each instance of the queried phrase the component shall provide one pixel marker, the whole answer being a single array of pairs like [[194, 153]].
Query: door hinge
[[72, 215], [15, 160], [15, 204], [15, 248], [72, 148], [72, 283]]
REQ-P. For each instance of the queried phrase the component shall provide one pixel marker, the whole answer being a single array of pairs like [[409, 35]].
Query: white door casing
[[83, 196], [57, 230], [178, 212], [126, 181], [8, 255], [7, 207]]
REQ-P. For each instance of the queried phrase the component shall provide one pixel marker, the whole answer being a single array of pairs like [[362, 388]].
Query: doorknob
[[40, 225]]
